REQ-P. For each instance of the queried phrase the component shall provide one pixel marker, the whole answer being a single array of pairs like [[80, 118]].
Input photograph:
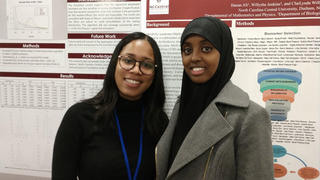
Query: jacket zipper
[[209, 157], [207, 164]]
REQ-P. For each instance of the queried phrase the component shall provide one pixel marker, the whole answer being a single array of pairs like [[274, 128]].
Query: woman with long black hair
[[113, 135]]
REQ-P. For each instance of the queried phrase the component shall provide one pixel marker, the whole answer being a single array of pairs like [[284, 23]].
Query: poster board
[[55, 53]]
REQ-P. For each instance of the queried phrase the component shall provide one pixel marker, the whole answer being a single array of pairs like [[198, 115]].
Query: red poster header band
[[33, 45], [89, 56], [52, 75], [96, 36], [274, 23], [79, 1], [172, 24]]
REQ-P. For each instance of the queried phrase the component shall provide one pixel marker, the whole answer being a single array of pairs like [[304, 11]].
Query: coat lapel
[[208, 130], [164, 145], [210, 127]]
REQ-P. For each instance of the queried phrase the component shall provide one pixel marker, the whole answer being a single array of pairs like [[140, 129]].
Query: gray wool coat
[[231, 141]]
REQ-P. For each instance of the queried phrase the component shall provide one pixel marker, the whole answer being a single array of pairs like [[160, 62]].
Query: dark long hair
[[153, 97]]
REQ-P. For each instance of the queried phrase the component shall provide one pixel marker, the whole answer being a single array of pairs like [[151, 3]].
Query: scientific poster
[[276, 48], [55, 53], [42, 75]]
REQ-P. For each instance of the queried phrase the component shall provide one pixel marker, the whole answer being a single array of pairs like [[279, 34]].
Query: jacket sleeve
[[254, 154], [66, 148]]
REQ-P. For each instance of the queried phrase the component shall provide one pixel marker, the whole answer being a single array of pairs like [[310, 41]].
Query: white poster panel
[[276, 48]]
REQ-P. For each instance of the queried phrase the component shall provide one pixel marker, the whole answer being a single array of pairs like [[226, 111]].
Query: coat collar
[[232, 95], [209, 128]]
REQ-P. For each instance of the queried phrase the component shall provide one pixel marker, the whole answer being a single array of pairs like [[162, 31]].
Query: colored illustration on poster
[[278, 87], [280, 169]]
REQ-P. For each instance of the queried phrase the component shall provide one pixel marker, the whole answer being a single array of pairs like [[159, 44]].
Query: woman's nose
[[136, 68], [196, 55]]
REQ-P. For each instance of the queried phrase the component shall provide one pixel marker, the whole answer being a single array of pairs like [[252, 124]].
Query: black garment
[[81, 150], [196, 97]]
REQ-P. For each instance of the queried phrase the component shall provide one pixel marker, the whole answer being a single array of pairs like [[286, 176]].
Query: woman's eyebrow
[[205, 41], [135, 57], [186, 43]]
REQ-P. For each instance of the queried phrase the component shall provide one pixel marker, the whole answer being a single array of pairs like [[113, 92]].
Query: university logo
[[158, 7]]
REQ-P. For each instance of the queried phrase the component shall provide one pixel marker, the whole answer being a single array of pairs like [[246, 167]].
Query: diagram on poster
[[278, 87], [287, 167], [29, 19]]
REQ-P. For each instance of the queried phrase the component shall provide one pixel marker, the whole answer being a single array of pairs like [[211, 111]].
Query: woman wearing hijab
[[215, 131], [112, 136]]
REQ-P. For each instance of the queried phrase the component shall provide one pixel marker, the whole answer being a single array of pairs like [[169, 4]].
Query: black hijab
[[196, 97]]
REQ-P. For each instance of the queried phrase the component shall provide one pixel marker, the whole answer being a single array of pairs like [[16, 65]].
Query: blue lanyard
[[124, 148]]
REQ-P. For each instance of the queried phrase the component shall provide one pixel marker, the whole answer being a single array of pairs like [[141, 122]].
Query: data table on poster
[[45, 94], [34, 108]]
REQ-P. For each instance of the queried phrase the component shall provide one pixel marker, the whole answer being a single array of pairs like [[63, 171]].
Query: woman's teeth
[[197, 69], [132, 81]]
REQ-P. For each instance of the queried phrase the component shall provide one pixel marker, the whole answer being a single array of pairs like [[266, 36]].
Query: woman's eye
[[206, 49], [147, 65], [129, 61], [187, 50]]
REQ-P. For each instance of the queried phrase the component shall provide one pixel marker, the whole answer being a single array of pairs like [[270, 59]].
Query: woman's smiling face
[[200, 58], [132, 83]]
